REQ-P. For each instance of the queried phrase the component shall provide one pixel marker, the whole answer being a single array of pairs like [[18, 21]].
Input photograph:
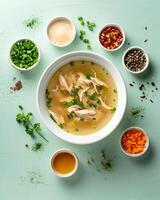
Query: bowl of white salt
[[61, 31]]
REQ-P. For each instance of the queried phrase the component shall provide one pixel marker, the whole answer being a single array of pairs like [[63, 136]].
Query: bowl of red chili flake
[[134, 142], [111, 37]]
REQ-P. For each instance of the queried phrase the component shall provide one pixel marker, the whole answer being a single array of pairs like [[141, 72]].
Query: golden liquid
[[109, 96], [64, 163]]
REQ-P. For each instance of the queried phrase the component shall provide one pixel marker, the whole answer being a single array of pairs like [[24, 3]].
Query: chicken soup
[[81, 97]]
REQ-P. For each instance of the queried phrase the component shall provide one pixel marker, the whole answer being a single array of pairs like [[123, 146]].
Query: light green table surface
[[130, 179]]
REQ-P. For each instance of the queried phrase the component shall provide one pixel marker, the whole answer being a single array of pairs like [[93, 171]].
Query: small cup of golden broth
[[64, 163]]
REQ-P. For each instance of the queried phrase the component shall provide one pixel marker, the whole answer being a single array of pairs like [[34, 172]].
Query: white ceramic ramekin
[[123, 34], [53, 20], [146, 55], [29, 68], [138, 154], [68, 174]]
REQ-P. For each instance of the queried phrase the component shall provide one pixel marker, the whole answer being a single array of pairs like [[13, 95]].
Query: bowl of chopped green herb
[[24, 54]]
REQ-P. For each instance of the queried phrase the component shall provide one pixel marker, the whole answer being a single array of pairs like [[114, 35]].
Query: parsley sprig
[[30, 128]]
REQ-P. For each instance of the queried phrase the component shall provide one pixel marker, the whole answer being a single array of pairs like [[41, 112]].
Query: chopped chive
[[85, 40], [61, 126], [113, 109], [89, 47], [20, 107], [80, 19]]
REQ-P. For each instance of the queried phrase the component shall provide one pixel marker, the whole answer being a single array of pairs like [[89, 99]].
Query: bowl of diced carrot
[[134, 142]]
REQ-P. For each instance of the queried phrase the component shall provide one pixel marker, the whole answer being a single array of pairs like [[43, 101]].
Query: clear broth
[[109, 95]]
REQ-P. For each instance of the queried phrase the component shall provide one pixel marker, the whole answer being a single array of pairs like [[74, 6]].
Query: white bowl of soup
[[81, 97]]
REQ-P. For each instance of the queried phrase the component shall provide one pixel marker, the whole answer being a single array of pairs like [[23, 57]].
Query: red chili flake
[[111, 37]]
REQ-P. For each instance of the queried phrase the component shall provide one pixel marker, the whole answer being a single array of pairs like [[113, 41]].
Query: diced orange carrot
[[133, 141]]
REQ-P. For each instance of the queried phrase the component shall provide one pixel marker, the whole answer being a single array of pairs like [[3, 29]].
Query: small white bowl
[[68, 174], [53, 20], [123, 34], [23, 69], [138, 154], [146, 55]]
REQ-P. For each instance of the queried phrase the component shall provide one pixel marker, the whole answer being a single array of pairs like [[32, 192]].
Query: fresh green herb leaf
[[74, 91], [89, 47], [73, 102], [82, 32], [98, 101], [89, 75], [92, 96], [85, 40], [107, 165], [91, 25], [76, 129], [136, 111], [61, 126], [30, 131], [37, 127], [30, 128], [113, 109], [37, 146], [81, 37], [69, 103], [80, 103], [32, 22], [20, 107], [48, 99], [91, 104], [81, 21]]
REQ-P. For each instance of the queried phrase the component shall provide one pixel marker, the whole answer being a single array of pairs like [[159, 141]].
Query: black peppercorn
[[135, 60]]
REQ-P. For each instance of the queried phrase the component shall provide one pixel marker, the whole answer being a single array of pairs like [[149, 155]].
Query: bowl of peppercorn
[[135, 60], [111, 37], [24, 54]]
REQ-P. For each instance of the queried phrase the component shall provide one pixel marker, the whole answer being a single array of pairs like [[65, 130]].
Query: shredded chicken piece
[[73, 108], [81, 93], [82, 79], [63, 99], [58, 118], [86, 113], [71, 78], [104, 105], [63, 83], [56, 89], [95, 88], [98, 82]]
